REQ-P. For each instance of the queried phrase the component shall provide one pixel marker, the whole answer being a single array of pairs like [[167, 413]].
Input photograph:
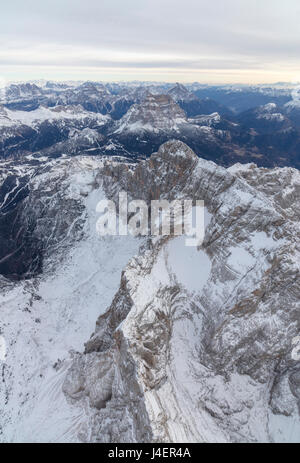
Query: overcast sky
[[170, 40]]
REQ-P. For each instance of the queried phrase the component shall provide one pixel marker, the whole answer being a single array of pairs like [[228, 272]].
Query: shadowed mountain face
[[29, 230], [194, 106], [134, 120], [20, 252], [244, 98]]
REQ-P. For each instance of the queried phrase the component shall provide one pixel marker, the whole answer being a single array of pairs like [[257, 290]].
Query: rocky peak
[[156, 113], [23, 90], [180, 93], [193, 347], [193, 344], [270, 111], [94, 88]]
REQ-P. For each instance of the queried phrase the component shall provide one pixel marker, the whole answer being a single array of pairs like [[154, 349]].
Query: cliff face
[[200, 340], [157, 113], [192, 344]]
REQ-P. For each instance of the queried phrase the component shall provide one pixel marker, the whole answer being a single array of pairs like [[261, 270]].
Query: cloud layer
[[220, 41]]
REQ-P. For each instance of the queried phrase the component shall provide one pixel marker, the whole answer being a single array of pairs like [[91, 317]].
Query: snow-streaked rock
[[191, 344], [207, 358], [157, 113]]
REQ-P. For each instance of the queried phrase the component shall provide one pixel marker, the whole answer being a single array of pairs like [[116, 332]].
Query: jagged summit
[[157, 113], [22, 90], [180, 93], [93, 89], [175, 148]]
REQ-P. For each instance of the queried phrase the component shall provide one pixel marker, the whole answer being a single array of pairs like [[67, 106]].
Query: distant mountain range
[[223, 124]]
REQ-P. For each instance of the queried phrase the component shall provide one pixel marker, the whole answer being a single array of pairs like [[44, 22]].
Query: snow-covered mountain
[[268, 118], [271, 112], [180, 93], [190, 344], [133, 119], [194, 106], [59, 113], [53, 131], [126, 97], [240, 98], [292, 109], [92, 96], [157, 113], [17, 92], [158, 119]]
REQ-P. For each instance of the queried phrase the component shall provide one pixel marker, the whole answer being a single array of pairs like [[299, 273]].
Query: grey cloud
[[180, 63], [217, 35]]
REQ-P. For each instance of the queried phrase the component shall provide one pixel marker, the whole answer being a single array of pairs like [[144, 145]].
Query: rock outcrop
[[193, 344], [199, 341]]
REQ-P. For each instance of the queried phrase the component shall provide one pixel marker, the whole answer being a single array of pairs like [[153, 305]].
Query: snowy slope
[[10, 118], [46, 318]]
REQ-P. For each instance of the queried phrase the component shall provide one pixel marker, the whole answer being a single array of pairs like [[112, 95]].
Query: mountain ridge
[[192, 345]]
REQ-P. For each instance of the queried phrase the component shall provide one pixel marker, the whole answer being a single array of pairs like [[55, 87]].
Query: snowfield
[[9, 118], [43, 321]]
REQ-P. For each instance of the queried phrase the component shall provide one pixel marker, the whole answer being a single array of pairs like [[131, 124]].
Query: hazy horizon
[[4, 82], [233, 42]]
